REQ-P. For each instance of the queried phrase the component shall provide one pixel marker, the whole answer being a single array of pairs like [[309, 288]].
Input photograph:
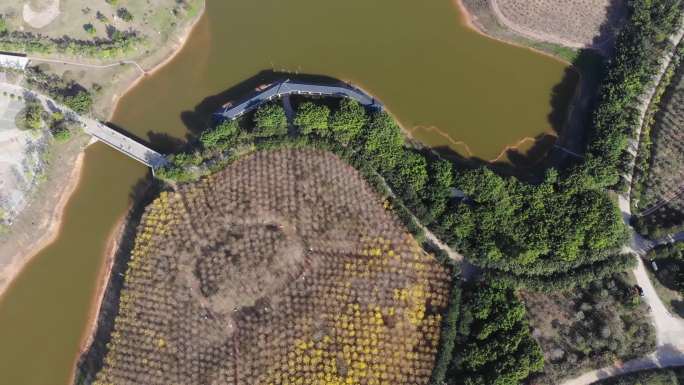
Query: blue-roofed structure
[[287, 87]]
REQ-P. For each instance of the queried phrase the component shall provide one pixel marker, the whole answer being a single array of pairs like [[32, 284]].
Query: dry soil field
[[284, 268], [665, 176], [574, 23]]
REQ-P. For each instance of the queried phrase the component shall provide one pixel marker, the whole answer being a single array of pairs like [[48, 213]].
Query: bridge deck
[[287, 87], [126, 145]]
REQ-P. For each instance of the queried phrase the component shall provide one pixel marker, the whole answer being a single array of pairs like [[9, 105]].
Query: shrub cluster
[[494, 344], [119, 45]]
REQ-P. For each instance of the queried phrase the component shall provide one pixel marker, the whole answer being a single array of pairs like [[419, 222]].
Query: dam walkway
[[279, 89]]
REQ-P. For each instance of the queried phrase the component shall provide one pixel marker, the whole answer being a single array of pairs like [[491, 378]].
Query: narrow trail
[[95, 66], [669, 328]]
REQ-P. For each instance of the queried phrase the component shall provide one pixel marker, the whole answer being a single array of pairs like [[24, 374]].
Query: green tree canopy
[[221, 136], [348, 121], [494, 342], [312, 118], [384, 142], [270, 120], [534, 229]]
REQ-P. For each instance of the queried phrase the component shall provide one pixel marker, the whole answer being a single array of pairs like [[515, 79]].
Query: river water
[[445, 84]]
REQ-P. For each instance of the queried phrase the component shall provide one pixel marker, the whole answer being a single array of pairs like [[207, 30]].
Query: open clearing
[[38, 13], [20, 159], [573, 23], [584, 329], [283, 268]]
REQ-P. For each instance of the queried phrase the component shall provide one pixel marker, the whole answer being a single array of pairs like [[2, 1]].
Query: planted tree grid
[[284, 268]]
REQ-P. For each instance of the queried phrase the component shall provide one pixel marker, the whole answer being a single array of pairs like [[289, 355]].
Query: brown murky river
[[446, 84]]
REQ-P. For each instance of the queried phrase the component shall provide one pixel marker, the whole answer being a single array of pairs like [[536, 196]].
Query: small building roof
[[13, 61]]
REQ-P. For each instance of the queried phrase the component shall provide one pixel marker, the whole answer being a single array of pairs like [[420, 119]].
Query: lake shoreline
[[470, 21], [51, 222], [171, 49]]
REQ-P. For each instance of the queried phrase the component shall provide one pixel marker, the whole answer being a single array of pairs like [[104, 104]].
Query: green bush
[[348, 121], [312, 118], [124, 14], [81, 103], [89, 28], [221, 136], [270, 120]]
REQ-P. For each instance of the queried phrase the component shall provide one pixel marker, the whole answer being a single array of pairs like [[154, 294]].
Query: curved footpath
[[669, 328]]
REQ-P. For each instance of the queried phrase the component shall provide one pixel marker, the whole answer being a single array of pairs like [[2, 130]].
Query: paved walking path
[[287, 87]]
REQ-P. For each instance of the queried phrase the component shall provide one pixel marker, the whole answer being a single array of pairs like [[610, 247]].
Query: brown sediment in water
[[464, 145], [113, 243]]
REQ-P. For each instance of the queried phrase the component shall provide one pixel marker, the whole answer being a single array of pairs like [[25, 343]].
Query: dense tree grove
[[638, 50], [63, 90], [494, 344], [545, 232], [348, 121], [221, 136], [534, 229]]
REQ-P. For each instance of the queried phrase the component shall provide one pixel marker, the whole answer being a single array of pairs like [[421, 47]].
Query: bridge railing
[[287, 87]]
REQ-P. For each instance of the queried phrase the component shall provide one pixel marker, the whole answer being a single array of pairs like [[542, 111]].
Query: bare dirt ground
[[573, 23], [39, 13], [21, 158]]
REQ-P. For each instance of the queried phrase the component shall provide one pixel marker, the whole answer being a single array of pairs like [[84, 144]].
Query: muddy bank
[[39, 223], [105, 302]]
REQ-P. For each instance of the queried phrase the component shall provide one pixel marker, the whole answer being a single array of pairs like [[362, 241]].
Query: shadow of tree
[[572, 103], [616, 15]]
